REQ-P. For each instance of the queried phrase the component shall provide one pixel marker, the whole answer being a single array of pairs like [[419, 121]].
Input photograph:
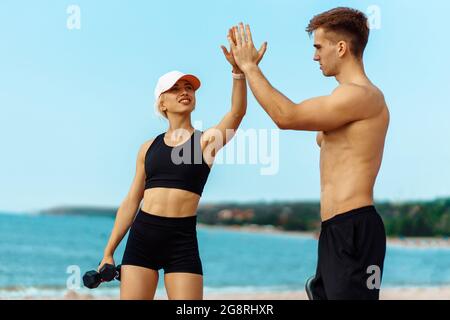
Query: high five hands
[[243, 53]]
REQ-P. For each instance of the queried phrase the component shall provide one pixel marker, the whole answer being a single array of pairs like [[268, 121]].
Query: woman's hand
[[106, 259], [229, 54], [241, 46]]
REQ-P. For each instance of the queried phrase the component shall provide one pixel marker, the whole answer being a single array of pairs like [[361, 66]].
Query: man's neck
[[352, 72]]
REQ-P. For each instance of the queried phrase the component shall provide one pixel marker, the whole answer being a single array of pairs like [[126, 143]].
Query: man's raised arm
[[316, 114]]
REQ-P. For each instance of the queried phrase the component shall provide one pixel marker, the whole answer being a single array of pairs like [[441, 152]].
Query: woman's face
[[178, 99]]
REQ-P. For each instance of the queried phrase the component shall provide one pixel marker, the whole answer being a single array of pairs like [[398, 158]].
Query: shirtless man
[[352, 123]]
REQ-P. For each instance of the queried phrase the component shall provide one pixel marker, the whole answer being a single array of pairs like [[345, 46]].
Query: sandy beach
[[407, 293], [427, 293]]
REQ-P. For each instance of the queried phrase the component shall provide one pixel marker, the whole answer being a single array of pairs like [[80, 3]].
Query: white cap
[[168, 80]]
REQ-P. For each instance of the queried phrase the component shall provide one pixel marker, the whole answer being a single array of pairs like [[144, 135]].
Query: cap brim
[[192, 80]]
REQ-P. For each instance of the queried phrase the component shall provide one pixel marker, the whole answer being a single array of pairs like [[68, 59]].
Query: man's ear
[[342, 48]]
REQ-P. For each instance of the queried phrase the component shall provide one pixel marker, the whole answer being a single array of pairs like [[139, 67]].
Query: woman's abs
[[170, 202]]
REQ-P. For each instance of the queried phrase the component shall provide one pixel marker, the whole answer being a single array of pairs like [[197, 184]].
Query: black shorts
[[352, 247], [158, 242]]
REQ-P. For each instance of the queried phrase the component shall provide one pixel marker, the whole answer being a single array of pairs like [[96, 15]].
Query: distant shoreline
[[415, 218], [407, 242]]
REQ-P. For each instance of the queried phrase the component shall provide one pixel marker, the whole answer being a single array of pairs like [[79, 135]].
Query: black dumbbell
[[118, 272], [108, 272]]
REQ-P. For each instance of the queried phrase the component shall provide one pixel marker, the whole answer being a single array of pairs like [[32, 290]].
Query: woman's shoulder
[[155, 138], [147, 144]]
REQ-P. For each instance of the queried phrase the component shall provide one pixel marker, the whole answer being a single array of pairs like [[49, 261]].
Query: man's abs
[[343, 196]]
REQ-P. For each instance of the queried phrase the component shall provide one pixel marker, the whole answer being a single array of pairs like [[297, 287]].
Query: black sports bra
[[181, 167]]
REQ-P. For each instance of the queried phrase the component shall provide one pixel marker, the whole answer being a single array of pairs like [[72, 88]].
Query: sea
[[47, 255]]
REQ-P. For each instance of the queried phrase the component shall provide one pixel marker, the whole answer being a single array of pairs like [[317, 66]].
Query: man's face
[[326, 53]]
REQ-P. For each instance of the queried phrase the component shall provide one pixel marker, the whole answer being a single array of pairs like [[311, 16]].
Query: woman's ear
[[161, 105]]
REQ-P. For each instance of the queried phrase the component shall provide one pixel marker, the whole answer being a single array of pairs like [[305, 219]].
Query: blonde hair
[[158, 111]]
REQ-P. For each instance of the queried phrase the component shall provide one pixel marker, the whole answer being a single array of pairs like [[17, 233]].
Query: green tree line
[[419, 218]]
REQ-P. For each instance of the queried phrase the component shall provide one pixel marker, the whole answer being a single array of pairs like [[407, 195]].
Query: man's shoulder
[[354, 89], [366, 96]]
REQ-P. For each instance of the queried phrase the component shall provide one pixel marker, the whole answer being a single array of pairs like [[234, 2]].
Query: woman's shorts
[[168, 243]]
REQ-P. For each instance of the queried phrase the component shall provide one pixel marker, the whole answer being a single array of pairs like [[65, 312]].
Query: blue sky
[[77, 104]]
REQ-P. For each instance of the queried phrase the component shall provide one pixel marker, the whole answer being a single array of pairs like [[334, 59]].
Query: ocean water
[[46, 255]]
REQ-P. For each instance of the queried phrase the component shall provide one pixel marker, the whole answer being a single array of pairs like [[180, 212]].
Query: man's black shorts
[[352, 246]]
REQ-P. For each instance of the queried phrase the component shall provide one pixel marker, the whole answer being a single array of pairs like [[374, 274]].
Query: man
[[352, 123]]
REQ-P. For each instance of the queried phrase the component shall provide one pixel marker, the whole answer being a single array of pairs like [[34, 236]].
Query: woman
[[171, 171]]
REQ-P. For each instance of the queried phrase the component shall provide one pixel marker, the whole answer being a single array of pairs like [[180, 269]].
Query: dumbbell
[[107, 272]]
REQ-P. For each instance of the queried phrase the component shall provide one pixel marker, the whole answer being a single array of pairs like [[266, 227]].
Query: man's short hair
[[347, 22]]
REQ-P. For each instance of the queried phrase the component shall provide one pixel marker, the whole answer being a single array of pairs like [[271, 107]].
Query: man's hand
[[242, 47]]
